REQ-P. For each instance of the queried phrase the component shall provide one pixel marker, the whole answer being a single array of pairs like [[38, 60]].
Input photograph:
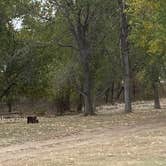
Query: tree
[[20, 69], [83, 19], [124, 46], [148, 29]]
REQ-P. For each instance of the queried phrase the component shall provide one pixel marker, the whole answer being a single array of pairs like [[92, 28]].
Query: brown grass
[[111, 138]]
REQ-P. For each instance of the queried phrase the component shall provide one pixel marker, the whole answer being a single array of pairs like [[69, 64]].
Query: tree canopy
[[70, 50]]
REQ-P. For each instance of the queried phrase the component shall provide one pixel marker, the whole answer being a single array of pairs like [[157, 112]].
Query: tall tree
[[83, 19], [124, 46], [148, 33]]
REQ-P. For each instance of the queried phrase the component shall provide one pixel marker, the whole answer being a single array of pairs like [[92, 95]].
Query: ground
[[110, 138]]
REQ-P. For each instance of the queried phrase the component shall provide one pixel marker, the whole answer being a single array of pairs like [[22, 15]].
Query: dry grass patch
[[111, 138]]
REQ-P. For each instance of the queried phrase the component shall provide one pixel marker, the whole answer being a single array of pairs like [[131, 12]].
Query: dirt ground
[[111, 138]]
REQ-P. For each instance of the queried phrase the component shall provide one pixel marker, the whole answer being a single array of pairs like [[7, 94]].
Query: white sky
[[17, 22]]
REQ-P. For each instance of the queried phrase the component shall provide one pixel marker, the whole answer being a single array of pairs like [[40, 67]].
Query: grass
[[111, 138], [19, 132]]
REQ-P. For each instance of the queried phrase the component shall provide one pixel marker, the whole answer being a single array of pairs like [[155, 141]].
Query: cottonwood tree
[[82, 19], [148, 34], [124, 46]]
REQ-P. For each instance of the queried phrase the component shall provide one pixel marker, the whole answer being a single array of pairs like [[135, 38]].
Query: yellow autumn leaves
[[148, 26]]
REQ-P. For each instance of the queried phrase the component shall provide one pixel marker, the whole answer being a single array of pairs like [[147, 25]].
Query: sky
[[17, 22]]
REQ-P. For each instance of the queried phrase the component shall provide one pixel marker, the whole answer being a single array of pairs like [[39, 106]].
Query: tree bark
[[80, 30], [124, 45], [67, 95], [63, 102], [88, 99], [107, 95], [9, 104], [156, 96], [80, 104], [112, 93], [134, 90], [120, 92]]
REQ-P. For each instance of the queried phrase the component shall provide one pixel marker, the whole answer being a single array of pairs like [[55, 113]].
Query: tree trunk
[[120, 92], [80, 105], [124, 45], [80, 34], [134, 90], [67, 105], [107, 95], [9, 104], [156, 96], [87, 85], [112, 93], [62, 102]]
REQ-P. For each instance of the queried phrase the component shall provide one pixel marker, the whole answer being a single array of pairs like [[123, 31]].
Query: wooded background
[[63, 55]]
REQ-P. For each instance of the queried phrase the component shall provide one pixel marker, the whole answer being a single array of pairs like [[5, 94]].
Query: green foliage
[[148, 24], [41, 58]]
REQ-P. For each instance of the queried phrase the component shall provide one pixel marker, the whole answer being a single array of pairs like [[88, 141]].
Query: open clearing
[[111, 138]]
